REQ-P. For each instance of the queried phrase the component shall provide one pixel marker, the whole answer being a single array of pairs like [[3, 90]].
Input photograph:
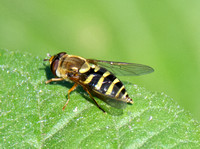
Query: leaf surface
[[31, 113]]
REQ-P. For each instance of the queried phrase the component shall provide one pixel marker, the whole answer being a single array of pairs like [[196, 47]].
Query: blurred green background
[[162, 34]]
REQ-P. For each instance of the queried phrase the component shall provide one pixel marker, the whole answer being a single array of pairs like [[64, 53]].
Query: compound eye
[[61, 54], [54, 61], [54, 66]]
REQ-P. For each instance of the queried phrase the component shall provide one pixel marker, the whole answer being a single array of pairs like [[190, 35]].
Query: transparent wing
[[121, 68], [118, 103]]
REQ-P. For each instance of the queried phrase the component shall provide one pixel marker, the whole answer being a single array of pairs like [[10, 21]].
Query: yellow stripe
[[99, 84], [106, 74], [124, 96], [96, 68], [119, 91], [88, 80], [93, 66], [109, 91]]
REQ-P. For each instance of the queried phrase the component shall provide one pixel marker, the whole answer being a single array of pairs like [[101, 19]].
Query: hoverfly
[[97, 77]]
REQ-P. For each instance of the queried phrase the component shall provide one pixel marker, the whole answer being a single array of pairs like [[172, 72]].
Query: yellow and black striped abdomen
[[104, 82]]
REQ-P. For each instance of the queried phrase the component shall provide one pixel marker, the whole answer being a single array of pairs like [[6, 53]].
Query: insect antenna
[[46, 58]]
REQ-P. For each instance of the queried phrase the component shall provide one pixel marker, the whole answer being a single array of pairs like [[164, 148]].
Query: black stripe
[[111, 77], [123, 91], [101, 71], [119, 84], [116, 88], [94, 80], [114, 91], [90, 71], [105, 85]]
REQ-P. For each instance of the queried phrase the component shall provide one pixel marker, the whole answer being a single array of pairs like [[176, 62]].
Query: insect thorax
[[71, 64]]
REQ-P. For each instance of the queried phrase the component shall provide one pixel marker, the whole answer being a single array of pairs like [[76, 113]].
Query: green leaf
[[31, 113]]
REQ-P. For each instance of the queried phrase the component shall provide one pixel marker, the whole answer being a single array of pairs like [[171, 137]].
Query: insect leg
[[93, 99], [54, 79], [69, 91]]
